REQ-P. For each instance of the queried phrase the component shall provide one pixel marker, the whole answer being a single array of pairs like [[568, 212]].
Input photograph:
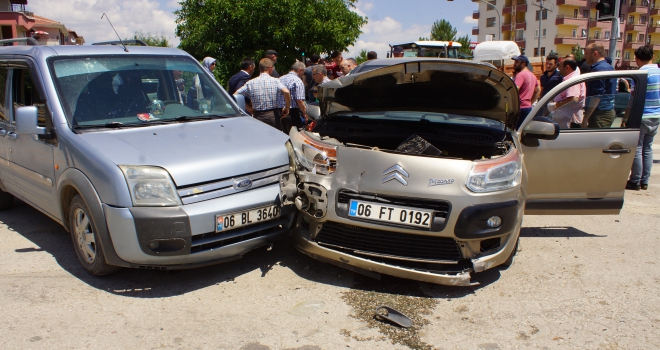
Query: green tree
[[442, 30], [152, 39], [229, 30], [361, 57], [465, 43], [578, 52]]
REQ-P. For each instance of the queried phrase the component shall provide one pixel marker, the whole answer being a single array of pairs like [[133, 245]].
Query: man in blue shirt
[[599, 112], [551, 77], [641, 169]]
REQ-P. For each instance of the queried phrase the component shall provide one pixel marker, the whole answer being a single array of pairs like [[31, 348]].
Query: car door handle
[[12, 135], [616, 150]]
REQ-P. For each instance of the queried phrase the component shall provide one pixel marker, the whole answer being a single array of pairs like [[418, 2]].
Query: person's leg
[[524, 112], [637, 167], [277, 119], [651, 127]]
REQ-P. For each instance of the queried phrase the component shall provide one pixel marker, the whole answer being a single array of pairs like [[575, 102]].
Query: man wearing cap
[[397, 51], [262, 92], [272, 54], [528, 87]]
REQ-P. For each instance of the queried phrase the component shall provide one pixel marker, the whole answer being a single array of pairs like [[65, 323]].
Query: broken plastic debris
[[393, 316], [307, 308]]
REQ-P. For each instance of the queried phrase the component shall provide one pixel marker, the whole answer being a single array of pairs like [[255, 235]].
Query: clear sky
[[390, 21]]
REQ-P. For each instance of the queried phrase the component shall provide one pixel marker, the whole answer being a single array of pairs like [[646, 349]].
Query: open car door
[[585, 169]]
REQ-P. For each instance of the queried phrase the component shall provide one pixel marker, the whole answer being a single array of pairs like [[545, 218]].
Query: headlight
[[497, 174], [313, 155], [150, 186]]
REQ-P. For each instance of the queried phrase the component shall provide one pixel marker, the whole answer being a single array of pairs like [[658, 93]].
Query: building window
[[629, 38], [607, 34], [618, 54], [584, 33], [574, 34], [621, 18], [626, 56], [585, 14], [542, 51], [536, 33], [620, 36], [490, 37], [640, 38], [493, 2], [607, 53], [642, 19], [597, 34], [490, 22], [575, 13], [520, 35], [544, 32], [545, 15], [536, 52], [633, 2], [631, 19]]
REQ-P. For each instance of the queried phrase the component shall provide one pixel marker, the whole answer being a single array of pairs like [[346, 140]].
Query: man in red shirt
[[528, 86], [334, 70]]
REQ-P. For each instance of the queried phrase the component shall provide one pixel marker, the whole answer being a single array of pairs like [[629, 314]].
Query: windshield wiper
[[185, 118]]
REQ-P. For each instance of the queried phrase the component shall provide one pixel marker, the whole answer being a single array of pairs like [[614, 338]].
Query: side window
[[25, 93], [3, 84], [594, 104]]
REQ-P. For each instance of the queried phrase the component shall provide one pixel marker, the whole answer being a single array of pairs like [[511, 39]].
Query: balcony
[[475, 30], [567, 39], [599, 40], [642, 10], [655, 45], [475, 14], [506, 27], [654, 29], [570, 20], [628, 64], [593, 23], [521, 7], [23, 19], [655, 10], [521, 25], [507, 9], [520, 42], [635, 27], [581, 3], [633, 44]]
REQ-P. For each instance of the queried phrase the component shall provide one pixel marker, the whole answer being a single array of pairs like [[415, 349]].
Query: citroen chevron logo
[[397, 173]]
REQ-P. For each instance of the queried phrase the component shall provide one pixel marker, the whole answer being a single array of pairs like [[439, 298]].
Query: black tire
[[6, 200], [509, 260], [84, 236]]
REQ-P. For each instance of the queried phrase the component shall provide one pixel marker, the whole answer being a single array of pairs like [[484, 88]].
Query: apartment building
[[565, 24], [16, 22]]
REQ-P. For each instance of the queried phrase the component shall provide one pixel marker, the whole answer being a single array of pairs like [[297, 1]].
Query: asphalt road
[[588, 282]]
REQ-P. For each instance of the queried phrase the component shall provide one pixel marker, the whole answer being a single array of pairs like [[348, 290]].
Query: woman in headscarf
[[209, 63], [196, 91]]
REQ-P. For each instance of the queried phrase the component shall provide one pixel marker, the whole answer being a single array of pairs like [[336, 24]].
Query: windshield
[[424, 117], [104, 91]]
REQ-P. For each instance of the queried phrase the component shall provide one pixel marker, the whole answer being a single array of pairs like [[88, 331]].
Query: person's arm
[[537, 94], [303, 108], [589, 109], [287, 101], [566, 101]]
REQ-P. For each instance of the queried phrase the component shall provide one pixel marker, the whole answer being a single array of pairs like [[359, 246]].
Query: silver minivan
[[139, 154]]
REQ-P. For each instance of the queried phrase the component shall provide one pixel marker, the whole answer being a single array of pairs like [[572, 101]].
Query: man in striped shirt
[[298, 109], [263, 91], [641, 169]]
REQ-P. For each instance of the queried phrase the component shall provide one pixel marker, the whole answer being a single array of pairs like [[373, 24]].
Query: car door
[[584, 170], [30, 156], [6, 131]]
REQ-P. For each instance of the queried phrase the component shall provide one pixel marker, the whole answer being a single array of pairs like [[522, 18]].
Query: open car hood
[[426, 85]]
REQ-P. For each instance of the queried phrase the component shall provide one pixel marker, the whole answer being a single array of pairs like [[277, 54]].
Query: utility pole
[[614, 32]]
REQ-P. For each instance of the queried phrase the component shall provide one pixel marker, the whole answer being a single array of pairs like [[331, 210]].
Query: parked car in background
[[142, 170], [417, 169]]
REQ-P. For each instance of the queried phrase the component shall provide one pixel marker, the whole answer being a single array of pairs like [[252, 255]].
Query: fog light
[[494, 221], [153, 245]]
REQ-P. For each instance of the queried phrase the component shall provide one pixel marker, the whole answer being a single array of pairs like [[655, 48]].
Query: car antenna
[[113, 28]]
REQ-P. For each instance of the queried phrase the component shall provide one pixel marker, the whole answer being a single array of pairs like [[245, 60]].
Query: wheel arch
[[73, 182]]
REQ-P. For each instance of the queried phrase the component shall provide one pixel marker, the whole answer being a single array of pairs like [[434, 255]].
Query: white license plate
[[226, 222], [391, 213]]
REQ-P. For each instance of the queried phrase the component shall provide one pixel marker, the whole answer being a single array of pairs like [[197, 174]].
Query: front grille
[[388, 245], [441, 208]]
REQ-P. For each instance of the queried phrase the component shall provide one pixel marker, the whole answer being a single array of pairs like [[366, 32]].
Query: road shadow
[[49, 237], [555, 231]]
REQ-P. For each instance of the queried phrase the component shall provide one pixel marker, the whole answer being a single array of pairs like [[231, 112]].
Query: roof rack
[[117, 42], [27, 41]]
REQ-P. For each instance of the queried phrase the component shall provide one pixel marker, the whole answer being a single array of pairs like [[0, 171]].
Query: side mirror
[[542, 129], [240, 101], [26, 121]]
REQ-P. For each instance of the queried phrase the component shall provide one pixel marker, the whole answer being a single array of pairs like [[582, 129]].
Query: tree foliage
[[442, 30], [152, 39], [578, 52], [361, 57], [229, 30], [465, 43]]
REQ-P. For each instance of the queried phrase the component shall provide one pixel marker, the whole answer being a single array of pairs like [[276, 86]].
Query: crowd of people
[[596, 103], [280, 100]]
